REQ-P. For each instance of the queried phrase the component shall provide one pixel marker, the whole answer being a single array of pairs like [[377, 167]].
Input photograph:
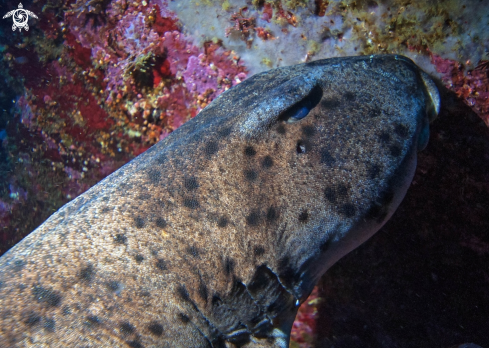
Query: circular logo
[[20, 17]]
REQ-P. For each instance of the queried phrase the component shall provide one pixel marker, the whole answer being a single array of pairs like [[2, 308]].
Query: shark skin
[[215, 235]]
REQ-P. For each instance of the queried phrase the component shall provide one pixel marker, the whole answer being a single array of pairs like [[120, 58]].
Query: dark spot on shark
[[401, 130], [281, 129], [223, 222], [342, 191], [139, 258], [139, 221], [267, 162], [120, 239], [330, 194], [160, 222], [250, 151], [251, 175], [384, 137], [92, 320], [32, 319], [193, 251], [135, 344], [327, 158], [349, 96], [183, 293], [191, 183], [49, 324], [211, 148], [258, 250], [253, 219], [47, 296], [272, 214], [113, 286], [155, 328], [224, 132], [66, 310], [374, 171], [144, 196], [154, 175], [191, 203], [304, 216], [338, 193], [126, 328], [161, 265], [374, 112], [87, 273]]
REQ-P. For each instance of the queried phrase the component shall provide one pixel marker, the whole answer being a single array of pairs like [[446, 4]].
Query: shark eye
[[302, 108], [299, 114]]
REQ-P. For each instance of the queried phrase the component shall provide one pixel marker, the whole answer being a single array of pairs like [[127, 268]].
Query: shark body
[[215, 235]]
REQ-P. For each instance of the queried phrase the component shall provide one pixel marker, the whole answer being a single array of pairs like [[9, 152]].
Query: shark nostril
[[301, 147]]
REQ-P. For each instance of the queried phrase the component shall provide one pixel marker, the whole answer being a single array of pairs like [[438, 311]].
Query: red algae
[[303, 333], [161, 24], [470, 85], [106, 80]]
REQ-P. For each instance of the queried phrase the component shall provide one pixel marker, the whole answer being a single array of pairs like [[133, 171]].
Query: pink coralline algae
[[198, 76], [178, 50], [472, 86], [140, 52], [203, 75], [106, 81]]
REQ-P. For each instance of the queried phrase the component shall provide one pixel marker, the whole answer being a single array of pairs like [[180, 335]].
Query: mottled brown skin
[[214, 236]]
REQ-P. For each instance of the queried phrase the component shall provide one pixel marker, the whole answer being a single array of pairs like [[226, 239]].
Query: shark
[[215, 235]]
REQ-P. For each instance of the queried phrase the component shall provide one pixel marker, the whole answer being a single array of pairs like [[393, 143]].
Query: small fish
[[215, 236]]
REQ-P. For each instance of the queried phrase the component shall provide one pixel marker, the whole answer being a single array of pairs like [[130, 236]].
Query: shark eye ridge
[[301, 109]]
